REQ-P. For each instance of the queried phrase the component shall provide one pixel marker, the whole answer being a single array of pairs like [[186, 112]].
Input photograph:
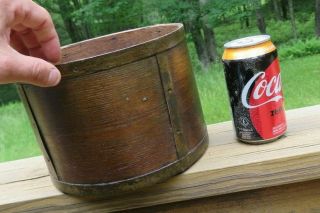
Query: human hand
[[28, 40]]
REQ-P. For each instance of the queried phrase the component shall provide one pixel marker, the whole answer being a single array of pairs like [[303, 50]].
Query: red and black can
[[253, 80]]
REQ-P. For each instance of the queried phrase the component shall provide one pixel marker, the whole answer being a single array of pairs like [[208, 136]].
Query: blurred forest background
[[294, 26]]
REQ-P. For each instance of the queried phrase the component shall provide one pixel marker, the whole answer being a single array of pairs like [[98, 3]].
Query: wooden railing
[[231, 176]]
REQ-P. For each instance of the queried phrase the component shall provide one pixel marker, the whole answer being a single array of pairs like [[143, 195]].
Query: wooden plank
[[227, 167], [297, 197]]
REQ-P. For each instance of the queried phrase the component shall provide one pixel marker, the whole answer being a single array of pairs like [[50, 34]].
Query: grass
[[301, 85], [16, 137], [213, 94], [301, 81]]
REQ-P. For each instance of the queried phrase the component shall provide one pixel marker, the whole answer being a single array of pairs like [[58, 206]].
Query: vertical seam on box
[[170, 98], [37, 131]]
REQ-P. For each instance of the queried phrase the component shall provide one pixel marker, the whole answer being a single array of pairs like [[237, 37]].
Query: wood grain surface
[[118, 49], [110, 126], [227, 167], [182, 98], [297, 197], [106, 130]]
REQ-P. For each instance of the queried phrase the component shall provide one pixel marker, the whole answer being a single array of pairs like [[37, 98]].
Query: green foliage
[[306, 27], [63, 34], [175, 10], [280, 31], [92, 18], [300, 48], [77, 20], [232, 31], [281, 35], [105, 17], [8, 93], [16, 136]]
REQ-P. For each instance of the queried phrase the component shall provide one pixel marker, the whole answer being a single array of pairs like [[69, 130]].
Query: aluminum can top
[[247, 41], [248, 47]]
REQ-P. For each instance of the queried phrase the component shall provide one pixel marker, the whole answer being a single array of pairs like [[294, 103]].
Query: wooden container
[[126, 114]]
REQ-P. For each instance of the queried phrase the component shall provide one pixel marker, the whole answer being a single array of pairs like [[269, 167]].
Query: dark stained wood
[[190, 121], [104, 124], [118, 49], [114, 42], [111, 124], [36, 130]]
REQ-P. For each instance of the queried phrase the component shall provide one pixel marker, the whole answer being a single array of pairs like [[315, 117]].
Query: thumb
[[27, 69]]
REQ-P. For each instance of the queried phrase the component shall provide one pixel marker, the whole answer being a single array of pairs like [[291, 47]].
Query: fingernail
[[54, 77]]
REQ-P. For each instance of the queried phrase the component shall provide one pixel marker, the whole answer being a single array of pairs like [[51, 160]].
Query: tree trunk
[[292, 19], [194, 26], [247, 22], [208, 33], [66, 9], [261, 24], [284, 9], [199, 45], [72, 30], [76, 3], [210, 42], [317, 18], [142, 11], [246, 18], [241, 18], [277, 10], [87, 30], [84, 27]]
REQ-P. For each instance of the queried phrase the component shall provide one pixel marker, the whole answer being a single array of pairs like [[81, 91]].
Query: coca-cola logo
[[264, 90]]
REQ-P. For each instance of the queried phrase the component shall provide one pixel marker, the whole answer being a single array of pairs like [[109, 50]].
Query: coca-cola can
[[253, 79]]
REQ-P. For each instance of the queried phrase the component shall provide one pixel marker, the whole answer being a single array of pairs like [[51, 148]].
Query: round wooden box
[[126, 114]]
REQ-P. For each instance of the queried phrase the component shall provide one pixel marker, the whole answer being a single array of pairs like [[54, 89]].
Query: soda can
[[253, 79]]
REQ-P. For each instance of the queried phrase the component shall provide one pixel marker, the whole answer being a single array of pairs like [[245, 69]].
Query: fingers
[[32, 33], [17, 43], [27, 69], [36, 29], [39, 20], [31, 43]]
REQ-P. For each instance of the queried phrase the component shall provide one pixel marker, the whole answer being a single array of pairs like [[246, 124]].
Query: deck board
[[227, 167]]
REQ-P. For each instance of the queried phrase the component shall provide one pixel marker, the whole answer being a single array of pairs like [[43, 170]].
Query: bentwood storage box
[[126, 114]]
